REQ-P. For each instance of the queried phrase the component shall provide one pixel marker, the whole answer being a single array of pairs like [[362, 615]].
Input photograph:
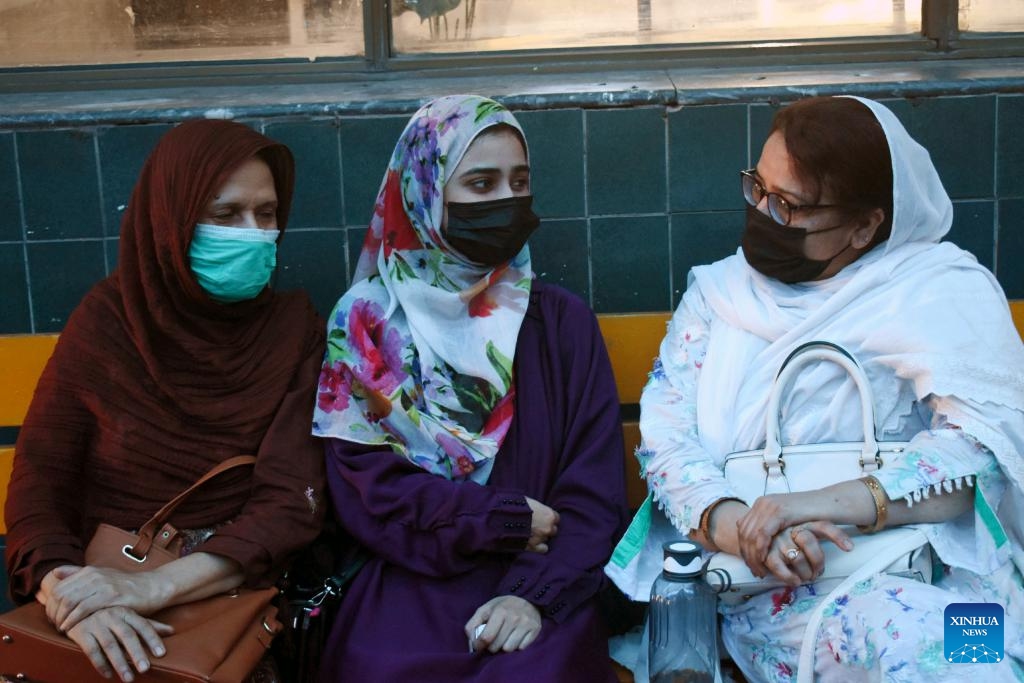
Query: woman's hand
[[51, 580], [795, 555], [115, 639], [767, 517], [543, 526], [89, 589], [512, 624]]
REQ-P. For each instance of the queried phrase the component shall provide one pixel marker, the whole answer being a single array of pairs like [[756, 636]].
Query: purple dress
[[443, 549]]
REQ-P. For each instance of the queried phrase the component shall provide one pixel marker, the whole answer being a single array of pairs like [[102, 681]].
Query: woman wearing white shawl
[[933, 332]]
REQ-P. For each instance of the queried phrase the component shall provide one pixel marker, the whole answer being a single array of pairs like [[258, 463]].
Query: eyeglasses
[[779, 209]]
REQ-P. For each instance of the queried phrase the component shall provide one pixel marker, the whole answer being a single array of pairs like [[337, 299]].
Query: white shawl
[[912, 309]]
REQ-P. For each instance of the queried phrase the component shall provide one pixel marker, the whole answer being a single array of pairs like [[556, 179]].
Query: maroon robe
[[153, 382]]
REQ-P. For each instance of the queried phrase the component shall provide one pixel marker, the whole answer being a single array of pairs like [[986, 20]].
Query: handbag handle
[[147, 532], [802, 356]]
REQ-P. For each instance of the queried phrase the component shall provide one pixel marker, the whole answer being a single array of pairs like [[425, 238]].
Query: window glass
[[52, 32], [475, 25], [992, 15]]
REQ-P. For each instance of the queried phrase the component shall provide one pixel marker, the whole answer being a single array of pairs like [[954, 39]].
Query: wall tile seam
[[585, 149], [668, 201], [995, 240], [995, 188], [59, 240], [20, 194], [973, 198], [101, 197], [706, 212], [605, 216], [342, 203]]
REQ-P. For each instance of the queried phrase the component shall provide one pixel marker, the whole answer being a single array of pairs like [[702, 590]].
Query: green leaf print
[[337, 349], [485, 109], [477, 396], [402, 270], [501, 364]]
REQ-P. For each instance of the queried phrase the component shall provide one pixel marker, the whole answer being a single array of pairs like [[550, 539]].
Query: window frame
[[941, 39]]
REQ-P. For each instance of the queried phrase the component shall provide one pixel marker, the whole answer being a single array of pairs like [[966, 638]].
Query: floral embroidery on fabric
[[193, 538], [893, 594], [781, 600], [312, 499], [420, 348]]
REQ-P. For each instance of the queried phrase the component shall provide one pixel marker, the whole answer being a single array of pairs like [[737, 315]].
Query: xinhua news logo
[[974, 633]]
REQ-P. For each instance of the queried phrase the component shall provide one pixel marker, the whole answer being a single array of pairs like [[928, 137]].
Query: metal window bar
[[940, 39], [939, 23]]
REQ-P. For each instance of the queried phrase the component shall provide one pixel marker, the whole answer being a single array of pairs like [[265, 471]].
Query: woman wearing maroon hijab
[[179, 360]]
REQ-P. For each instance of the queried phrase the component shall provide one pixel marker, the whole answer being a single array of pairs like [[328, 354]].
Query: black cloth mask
[[493, 232], [778, 250]]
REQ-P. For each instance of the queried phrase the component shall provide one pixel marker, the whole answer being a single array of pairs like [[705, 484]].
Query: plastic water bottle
[[683, 620]]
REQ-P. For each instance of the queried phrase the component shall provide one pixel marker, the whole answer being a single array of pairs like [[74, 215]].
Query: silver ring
[[793, 553]]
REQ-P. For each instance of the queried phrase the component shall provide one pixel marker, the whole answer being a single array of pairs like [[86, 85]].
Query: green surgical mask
[[232, 264]]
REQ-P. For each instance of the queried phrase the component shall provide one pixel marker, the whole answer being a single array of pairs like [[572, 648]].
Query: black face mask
[[778, 251], [493, 232]]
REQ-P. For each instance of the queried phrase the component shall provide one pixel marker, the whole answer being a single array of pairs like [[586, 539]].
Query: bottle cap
[[682, 560]]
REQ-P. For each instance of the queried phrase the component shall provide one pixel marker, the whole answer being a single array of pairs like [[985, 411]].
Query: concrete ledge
[[402, 95]]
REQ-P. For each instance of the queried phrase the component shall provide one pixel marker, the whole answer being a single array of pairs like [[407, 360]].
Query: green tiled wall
[[632, 198]]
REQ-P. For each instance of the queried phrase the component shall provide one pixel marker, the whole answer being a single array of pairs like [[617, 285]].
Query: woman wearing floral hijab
[[845, 219], [472, 418]]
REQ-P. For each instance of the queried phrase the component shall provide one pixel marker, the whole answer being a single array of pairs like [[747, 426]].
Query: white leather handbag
[[783, 469]]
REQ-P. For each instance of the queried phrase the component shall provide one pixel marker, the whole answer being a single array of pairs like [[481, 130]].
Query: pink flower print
[[334, 389], [487, 298], [784, 669], [398, 232], [781, 600], [457, 454], [452, 447], [378, 346], [501, 417], [372, 241], [890, 628], [482, 305]]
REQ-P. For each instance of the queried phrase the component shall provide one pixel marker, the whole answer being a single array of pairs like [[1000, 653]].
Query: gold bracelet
[[704, 526], [881, 506]]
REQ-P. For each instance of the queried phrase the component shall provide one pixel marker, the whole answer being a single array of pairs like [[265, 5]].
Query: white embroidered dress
[[932, 330]]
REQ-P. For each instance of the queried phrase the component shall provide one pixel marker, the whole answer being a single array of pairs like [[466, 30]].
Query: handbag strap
[[801, 356], [907, 542], [148, 530]]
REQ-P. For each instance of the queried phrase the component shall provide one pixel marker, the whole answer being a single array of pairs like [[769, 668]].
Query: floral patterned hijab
[[420, 348]]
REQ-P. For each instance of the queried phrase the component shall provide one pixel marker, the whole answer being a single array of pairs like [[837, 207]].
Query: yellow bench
[[632, 341]]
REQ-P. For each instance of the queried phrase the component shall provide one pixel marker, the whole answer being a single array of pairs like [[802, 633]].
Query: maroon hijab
[[171, 321], [153, 382]]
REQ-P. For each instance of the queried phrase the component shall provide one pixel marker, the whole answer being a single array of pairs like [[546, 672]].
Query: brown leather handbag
[[218, 639]]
